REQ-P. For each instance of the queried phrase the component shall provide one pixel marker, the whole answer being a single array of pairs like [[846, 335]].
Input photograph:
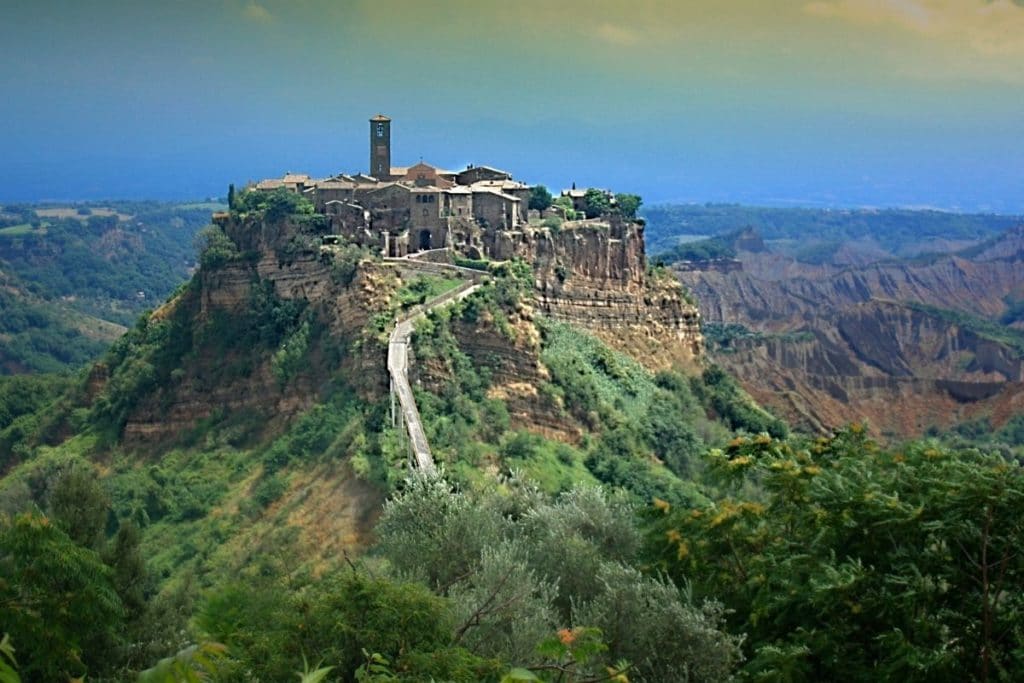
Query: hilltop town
[[406, 209]]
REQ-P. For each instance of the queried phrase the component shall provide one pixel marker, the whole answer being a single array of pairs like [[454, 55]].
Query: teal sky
[[826, 102]]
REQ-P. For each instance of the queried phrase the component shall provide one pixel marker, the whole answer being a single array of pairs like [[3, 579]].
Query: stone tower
[[380, 147]]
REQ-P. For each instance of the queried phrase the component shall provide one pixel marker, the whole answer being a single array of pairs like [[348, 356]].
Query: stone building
[[403, 209]]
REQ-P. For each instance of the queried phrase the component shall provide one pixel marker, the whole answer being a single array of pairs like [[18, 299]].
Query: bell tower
[[380, 147]]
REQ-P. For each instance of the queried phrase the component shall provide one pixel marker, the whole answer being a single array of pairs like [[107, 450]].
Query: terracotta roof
[[336, 185], [486, 168], [501, 184], [269, 184], [484, 190], [295, 178], [399, 170], [385, 186], [574, 193], [380, 117]]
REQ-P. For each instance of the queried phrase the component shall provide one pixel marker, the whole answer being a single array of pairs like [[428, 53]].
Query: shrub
[[215, 247]]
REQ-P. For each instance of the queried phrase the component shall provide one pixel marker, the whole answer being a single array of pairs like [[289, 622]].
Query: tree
[[79, 506], [215, 247], [540, 198], [628, 204], [565, 203], [596, 203], [343, 620], [504, 608], [854, 563], [528, 565], [647, 622], [231, 197], [56, 600], [281, 203], [433, 534], [128, 568]]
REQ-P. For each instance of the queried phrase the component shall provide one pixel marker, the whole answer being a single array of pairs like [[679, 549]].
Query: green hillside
[[72, 277], [670, 529]]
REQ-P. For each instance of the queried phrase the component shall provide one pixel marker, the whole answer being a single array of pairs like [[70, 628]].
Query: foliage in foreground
[[505, 585], [517, 567], [841, 561]]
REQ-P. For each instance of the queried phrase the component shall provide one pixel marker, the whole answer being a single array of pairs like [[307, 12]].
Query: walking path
[[398, 358]]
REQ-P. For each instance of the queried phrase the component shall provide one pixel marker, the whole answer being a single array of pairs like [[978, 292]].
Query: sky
[[777, 102]]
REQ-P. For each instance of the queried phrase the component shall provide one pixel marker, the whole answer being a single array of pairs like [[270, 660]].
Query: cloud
[[987, 27], [258, 13], [616, 34]]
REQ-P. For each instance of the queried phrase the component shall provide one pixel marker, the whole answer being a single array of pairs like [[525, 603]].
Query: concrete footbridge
[[398, 353]]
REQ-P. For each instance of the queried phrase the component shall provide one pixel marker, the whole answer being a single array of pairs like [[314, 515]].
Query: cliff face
[[589, 274], [512, 358], [772, 291], [595, 275], [249, 384], [839, 344]]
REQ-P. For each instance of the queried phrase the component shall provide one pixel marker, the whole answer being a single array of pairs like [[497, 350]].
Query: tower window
[[380, 130]]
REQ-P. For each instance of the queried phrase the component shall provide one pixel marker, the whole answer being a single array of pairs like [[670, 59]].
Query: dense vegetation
[[39, 336], [891, 228], [727, 337], [74, 276], [842, 561], [710, 249], [979, 432], [987, 329], [676, 532]]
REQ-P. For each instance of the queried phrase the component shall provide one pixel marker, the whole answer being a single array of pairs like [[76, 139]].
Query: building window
[[425, 212], [380, 130]]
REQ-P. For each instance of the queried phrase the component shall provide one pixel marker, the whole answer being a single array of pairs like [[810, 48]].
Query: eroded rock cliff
[[595, 274], [592, 274], [842, 344], [225, 376]]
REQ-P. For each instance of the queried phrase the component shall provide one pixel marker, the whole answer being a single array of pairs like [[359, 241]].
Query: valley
[[911, 345], [73, 278]]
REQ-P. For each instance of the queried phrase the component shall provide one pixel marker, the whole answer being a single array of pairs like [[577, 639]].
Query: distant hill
[[74, 277], [901, 232]]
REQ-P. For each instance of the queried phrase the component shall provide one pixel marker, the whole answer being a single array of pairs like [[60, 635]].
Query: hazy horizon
[[830, 103]]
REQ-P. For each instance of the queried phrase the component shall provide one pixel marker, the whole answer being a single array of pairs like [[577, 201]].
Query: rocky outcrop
[[840, 345], [245, 383], [590, 273], [594, 274], [517, 374]]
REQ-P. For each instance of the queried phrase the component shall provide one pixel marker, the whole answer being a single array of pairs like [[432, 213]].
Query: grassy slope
[[228, 499]]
